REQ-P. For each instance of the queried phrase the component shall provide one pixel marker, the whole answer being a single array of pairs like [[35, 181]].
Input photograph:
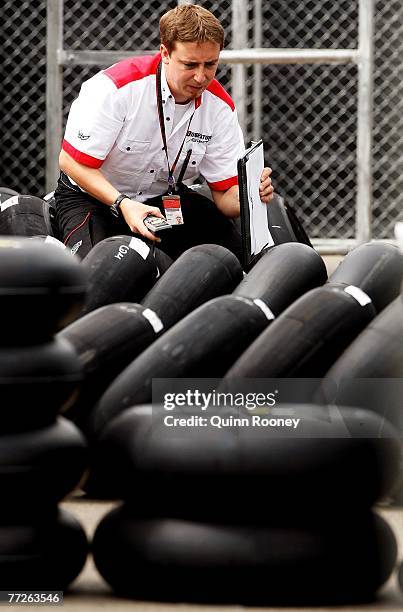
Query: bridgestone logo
[[197, 137]]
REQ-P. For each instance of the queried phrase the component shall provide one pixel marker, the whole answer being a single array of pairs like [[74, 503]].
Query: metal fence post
[[257, 74], [365, 121], [54, 90], [239, 41]]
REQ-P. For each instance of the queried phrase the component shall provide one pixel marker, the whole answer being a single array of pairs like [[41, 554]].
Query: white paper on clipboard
[[259, 231]]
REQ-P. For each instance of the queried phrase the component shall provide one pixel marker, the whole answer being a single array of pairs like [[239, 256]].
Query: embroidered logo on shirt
[[83, 136], [197, 137]]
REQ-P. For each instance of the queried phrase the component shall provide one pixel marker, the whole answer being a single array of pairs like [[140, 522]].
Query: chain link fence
[[23, 79], [309, 112]]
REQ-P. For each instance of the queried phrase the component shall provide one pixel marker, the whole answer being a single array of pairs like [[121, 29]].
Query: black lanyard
[[171, 170]]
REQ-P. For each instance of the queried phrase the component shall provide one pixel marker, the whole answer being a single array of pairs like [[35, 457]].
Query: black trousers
[[83, 221]]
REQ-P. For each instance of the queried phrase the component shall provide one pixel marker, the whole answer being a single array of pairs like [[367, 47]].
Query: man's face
[[190, 68]]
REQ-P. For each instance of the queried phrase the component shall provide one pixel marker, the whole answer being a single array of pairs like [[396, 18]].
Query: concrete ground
[[331, 262]]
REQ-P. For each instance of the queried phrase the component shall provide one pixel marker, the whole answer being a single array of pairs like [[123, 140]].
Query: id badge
[[173, 211]]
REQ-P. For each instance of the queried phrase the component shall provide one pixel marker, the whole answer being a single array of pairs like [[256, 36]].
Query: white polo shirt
[[113, 125]]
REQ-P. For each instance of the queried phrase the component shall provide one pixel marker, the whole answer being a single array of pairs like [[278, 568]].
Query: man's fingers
[[156, 212], [265, 174], [147, 234], [144, 231], [267, 183], [139, 228], [266, 188]]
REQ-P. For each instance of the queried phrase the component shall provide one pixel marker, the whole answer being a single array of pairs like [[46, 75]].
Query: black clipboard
[[248, 260], [282, 221]]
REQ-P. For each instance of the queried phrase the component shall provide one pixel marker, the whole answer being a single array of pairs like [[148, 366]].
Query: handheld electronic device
[[156, 224]]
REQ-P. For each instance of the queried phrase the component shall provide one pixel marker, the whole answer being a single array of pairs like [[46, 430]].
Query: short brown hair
[[190, 23]]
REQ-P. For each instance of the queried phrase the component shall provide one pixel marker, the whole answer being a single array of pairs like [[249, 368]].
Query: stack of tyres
[[42, 455], [306, 339], [110, 337], [313, 332], [206, 342], [41, 290], [244, 515], [370, 371], [202, 345]]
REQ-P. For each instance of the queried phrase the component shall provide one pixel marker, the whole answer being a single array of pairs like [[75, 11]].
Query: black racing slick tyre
[[41, 290], [308, 337], [120, 269], [203, 345], [25, 215], [46, 239], [105, 341], [378, 351], [283, 223], [370, 371], [375, 268], [6, 194], [239, 465], [41, 465], [36, 382], [45, 555], [197, 276], [282, 275], [184, 561]]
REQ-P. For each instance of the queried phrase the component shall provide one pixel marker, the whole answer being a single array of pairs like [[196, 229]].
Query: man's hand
[[266, 189], [134, 214]]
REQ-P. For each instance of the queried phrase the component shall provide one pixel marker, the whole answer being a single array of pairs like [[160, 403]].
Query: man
[[140, 123]]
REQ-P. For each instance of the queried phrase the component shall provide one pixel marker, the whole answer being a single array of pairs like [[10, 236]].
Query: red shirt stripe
[[133, 69], [82, 158], [224, 185]]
